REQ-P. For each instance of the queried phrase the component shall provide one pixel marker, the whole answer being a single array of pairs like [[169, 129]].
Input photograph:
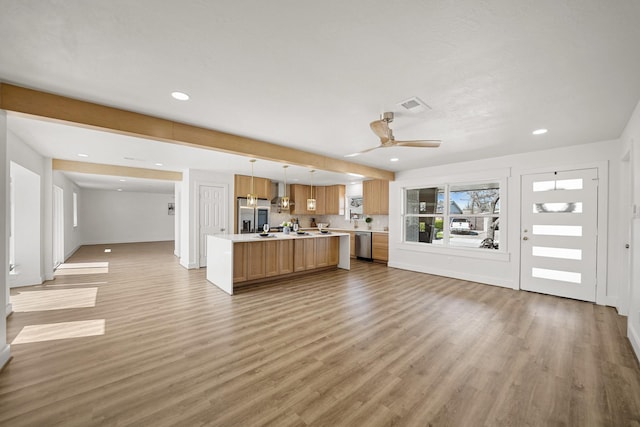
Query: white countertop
[[254, 237], [365, 229]]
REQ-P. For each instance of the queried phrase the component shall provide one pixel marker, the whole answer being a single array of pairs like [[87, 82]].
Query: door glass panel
[[562, 276], [557, 230], [561, 184], [570, 207], [561, 253]]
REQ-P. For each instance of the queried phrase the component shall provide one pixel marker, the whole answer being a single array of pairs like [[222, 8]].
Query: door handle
[[525, 238]]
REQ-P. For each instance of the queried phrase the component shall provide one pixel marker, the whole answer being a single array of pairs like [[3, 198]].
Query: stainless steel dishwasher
[[363, 244]]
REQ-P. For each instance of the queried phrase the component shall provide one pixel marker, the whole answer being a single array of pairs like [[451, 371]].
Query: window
[[454, 215], [75, 209]]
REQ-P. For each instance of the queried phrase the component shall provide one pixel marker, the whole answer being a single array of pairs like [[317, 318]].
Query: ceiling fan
[[384, 132]]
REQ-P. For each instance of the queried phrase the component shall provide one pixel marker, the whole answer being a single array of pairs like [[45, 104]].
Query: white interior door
[[212, 214], [58, 226], [559, 233]]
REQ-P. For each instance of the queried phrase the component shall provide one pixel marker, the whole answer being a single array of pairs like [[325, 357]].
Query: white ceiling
[[312, 75]]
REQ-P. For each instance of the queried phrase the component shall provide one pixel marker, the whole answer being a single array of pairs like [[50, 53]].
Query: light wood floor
[[373, 346]]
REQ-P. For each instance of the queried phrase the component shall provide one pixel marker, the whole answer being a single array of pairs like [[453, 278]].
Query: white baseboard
[[20, 280], [5, 355], [70, 254], [188, 265], [454, 274], [9, 309], [634, 338]]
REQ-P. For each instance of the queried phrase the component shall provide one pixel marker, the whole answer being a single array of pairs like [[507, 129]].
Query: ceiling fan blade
[[364, 151], [380, 128], [419, 143]]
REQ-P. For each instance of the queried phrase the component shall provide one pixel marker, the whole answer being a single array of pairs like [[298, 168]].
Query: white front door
[[559, 233], [212, 213]]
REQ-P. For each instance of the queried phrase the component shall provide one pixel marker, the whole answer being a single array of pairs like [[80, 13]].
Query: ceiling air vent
[[414, 105]]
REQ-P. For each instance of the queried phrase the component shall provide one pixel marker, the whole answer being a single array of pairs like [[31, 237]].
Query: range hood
[[278, 192]]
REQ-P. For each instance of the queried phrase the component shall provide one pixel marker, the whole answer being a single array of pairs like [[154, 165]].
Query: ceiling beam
[[87, 114], [101, 169]]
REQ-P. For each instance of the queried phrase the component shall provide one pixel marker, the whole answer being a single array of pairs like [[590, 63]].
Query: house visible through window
[[460, 215]]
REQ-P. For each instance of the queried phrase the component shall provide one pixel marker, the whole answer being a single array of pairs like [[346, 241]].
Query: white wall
[[631, 143], [124, 217], [502, 268], [72, 235], [4, 240], [26, 227], [30, 196], [189, 205]]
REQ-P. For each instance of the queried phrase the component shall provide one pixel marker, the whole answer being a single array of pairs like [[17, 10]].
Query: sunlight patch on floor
[[75, 268], [64, 285], [60, 331], [58, 299]]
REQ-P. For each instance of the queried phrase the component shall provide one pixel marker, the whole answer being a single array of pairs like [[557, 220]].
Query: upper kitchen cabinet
[[329, 199], [261, 186], [298, 197], [334, 200], [320, 194], [375, 197]]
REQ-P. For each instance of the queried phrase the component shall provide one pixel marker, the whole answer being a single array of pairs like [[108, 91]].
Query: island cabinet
[[375, 197], [380, 247], [261, 186], [352, 244], [268, 258]]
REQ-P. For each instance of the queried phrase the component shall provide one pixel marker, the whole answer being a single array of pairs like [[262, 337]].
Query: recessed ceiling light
[[351, 155], [356, 175], [123, 180], [119, 189], [107, 250], [353, 183], [539, 131], [394, 159], [159, 164], [82, 155], [180, 96]]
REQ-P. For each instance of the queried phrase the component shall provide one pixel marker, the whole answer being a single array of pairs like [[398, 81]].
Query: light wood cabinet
[[270, 258], [329, 199], [285, 256], [310, 253], [261, 186], [375, 197], [320, 194], [334, 200], [299, 195], [298, 255], [380, 247], [352, 244], [240, 262], [255, 260], [271, 267]]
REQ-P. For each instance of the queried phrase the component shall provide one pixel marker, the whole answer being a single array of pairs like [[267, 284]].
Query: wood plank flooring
[[373, 346]]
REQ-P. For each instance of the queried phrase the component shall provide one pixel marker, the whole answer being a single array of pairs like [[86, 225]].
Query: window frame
[[445, 247]]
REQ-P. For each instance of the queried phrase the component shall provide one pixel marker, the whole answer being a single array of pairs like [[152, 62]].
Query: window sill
[[489, 254]]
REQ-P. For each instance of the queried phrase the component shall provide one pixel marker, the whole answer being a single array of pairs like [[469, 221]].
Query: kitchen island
[[235, 260]]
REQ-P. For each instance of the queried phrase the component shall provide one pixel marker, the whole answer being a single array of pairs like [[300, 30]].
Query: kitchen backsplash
[[380, 222]]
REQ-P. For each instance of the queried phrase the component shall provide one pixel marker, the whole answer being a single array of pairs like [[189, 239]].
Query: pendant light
[[252, 198], [284, 201], [311, 203]]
